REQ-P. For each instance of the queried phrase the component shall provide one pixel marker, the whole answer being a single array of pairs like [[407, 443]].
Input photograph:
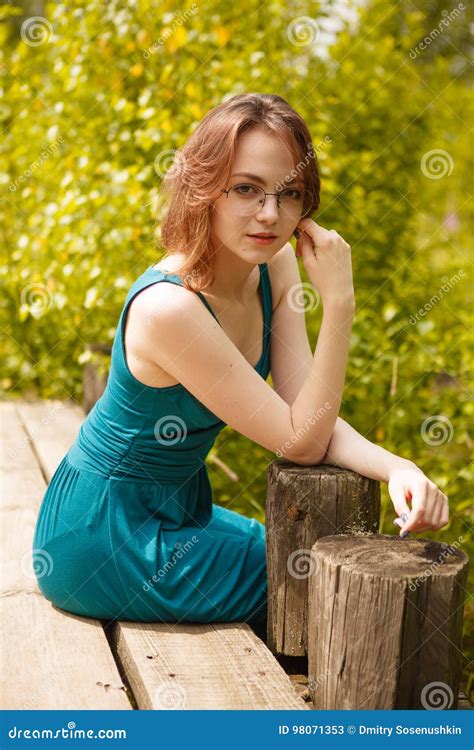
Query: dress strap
[[267, 298], [202, 297], [264, 287]]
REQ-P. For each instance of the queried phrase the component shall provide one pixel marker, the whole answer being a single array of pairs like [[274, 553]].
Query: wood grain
[[303, 505], [385, 623]]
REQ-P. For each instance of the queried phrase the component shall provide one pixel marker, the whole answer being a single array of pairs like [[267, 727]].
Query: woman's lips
[[262, 240]]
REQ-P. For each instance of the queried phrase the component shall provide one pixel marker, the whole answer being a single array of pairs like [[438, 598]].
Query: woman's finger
[[445, 514], [398, 496], [314, 231], [440, 514], [419, 492], [399, 500], [306, 248]]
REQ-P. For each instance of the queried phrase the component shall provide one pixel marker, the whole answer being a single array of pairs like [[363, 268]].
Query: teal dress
[[127, 528]]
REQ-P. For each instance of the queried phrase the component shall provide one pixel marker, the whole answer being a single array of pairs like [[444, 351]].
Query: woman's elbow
[[305, 459]]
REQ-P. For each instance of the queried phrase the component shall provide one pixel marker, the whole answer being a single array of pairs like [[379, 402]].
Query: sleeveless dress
[[127, 528]]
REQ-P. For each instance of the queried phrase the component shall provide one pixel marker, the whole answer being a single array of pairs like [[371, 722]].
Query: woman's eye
[[245, 189], [292, 193]]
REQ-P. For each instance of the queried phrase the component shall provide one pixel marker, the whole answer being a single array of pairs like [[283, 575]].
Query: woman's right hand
[[327, 259]]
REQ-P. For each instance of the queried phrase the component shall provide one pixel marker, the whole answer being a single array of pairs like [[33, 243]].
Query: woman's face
[[266, 156]]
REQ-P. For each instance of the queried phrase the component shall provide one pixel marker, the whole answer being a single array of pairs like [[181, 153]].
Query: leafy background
[[91, 117]]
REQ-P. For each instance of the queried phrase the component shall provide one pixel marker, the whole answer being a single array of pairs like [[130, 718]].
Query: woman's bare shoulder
[[166, 298]]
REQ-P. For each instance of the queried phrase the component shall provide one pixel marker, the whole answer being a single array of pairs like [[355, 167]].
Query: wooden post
[[94, 380], [385, 623], [305, 503]]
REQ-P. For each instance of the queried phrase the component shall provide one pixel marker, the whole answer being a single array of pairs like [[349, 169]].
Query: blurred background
[[97, 98]]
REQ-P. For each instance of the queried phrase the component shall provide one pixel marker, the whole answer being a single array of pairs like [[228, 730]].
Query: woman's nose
[[270, 208]]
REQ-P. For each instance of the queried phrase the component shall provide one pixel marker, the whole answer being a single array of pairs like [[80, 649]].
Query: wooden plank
[[52, 426], [202, 666], [55, 660], [49, 658]]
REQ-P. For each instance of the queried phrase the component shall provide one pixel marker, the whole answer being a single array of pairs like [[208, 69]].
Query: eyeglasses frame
[[227, 191]]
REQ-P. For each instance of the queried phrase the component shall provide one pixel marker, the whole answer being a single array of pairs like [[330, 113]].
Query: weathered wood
[[300, 683], [54, 660], [194, 666], [385, 622], [49, 659], [305, 504], [51, 427], [94, 379]]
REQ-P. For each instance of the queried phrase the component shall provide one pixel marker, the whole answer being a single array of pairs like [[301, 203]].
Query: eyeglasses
[[245, 199]]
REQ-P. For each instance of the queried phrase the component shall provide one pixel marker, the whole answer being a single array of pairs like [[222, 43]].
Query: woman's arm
[[351, 450], [292, 362], [327, 260]]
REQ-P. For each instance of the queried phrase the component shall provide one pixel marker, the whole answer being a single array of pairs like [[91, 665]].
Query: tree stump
[[385, 623], [95, 375], [305, 504]]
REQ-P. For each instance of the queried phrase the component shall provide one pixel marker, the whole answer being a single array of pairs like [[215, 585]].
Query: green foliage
[[90, 118]]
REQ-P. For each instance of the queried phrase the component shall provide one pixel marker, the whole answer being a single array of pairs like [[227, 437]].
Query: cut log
[[95, 374], [303, 505], [385, 623]]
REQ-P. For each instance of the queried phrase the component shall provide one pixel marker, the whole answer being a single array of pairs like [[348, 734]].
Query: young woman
[[127, 528]]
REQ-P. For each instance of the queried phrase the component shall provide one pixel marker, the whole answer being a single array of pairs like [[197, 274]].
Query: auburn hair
[[190, 186]]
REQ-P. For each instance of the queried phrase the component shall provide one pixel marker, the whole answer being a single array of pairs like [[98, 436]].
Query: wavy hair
[[192, 183]]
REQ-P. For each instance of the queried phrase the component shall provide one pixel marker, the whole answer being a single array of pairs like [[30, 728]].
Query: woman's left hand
[[429, 506]]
